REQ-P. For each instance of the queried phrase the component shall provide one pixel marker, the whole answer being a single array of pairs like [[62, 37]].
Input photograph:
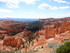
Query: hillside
[[36, 37], [10, 27]]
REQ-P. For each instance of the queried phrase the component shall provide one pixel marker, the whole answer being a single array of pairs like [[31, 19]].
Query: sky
[[34, 8]]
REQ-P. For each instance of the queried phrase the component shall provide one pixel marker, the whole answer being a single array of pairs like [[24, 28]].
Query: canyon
[[38, 36]]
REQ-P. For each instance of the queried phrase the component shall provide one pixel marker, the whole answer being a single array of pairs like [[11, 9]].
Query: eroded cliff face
[[58, 33], [10, 27], [51, 30]]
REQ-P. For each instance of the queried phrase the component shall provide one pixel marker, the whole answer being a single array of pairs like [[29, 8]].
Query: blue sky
[[34, 8]]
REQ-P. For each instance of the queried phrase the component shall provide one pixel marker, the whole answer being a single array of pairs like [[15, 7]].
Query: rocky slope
[[10, 27], [24, 37], [54, 32]]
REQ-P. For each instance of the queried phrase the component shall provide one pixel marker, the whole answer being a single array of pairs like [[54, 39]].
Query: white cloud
[[29, 1], [5, 10], [64, 7], [11, 5], [15, 3], [62, 1], [46, 6]]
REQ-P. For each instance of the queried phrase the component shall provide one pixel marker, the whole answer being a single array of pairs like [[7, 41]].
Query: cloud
[[62, 1], [12, 5], [46, 6], [5, 10], [15, 3], [29, 1], [64, 7]]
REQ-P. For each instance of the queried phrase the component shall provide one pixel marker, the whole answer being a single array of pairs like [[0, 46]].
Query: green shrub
[[64, 48]]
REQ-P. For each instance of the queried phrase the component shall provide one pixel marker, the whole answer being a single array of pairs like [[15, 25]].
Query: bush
[[64, 48]]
